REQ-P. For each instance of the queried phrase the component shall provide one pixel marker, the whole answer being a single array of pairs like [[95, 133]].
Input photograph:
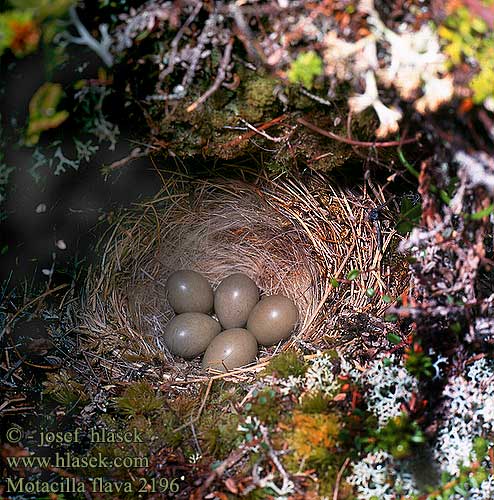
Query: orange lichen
[[25, 36], [313, 431]]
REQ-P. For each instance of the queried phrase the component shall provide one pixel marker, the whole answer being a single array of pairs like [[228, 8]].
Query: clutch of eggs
[[246, 321]]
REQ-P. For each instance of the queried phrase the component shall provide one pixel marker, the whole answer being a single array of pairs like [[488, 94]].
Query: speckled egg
[[230, 349], [189, 334], [189, 291], [234, 299], [272, 319]]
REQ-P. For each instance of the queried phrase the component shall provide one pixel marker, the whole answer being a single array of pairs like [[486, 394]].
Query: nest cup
[[292, 237]]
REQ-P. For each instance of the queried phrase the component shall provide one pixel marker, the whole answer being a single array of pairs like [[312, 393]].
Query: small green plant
[[417, 362], [453, 486], [62, 388], [42, 111], [353, 274], [468, 38], [398, 437], [264, 406], [409, 216], [305, 68], [286, 364], [139, 399]]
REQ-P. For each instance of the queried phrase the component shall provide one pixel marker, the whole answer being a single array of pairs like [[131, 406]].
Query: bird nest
[[305, 239]]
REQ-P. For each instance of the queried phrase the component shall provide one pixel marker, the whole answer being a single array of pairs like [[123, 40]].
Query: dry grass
[[291, 237]]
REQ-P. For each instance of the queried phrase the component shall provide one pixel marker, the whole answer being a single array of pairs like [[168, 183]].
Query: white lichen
[[388, 385], [320, 376], [469, 399], [378, 475], [414, 66]]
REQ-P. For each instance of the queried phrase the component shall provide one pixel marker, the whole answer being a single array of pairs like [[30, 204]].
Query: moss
[[139, 399], [258, 98], [314, 402], [286, 364], [219, 433], [61, 387], [468, 38], [312, 431], [265, 406], [184, 405], [399, 436], [154, 433], [305, 68], [316, 444]]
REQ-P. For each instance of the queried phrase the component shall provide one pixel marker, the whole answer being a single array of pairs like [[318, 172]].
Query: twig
[[134, 154], [203, 404], [274, 457], [261, 133], [250, 134], [339, 476], [315, 97], [232, 459], [174, 45], [245, 35], [367, 144], [11, 371], [30, 303], [207, 32], [220, 77]]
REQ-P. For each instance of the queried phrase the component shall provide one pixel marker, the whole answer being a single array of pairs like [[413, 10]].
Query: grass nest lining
[[291, 236]]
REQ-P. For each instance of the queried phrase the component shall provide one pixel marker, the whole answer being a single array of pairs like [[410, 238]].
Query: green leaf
[[334, 283], [393, 338], [481, 213], [353, 274], [391, 318], [410, 214], [42, 111]]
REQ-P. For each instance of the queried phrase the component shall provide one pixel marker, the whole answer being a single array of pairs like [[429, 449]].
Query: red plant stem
[[250, 134], [353, 142]]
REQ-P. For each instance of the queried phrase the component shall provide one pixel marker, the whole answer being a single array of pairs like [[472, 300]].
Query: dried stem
[[225, 61], [353, 142]]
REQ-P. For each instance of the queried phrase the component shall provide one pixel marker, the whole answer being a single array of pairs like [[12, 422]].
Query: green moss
[[61, 387], [139, 399], [286, 364], [219, 433], [305, 68], [265, 406], [315, 402], [165, 426], [399, 436], [257, 99], [315, 441], [468, 38]]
